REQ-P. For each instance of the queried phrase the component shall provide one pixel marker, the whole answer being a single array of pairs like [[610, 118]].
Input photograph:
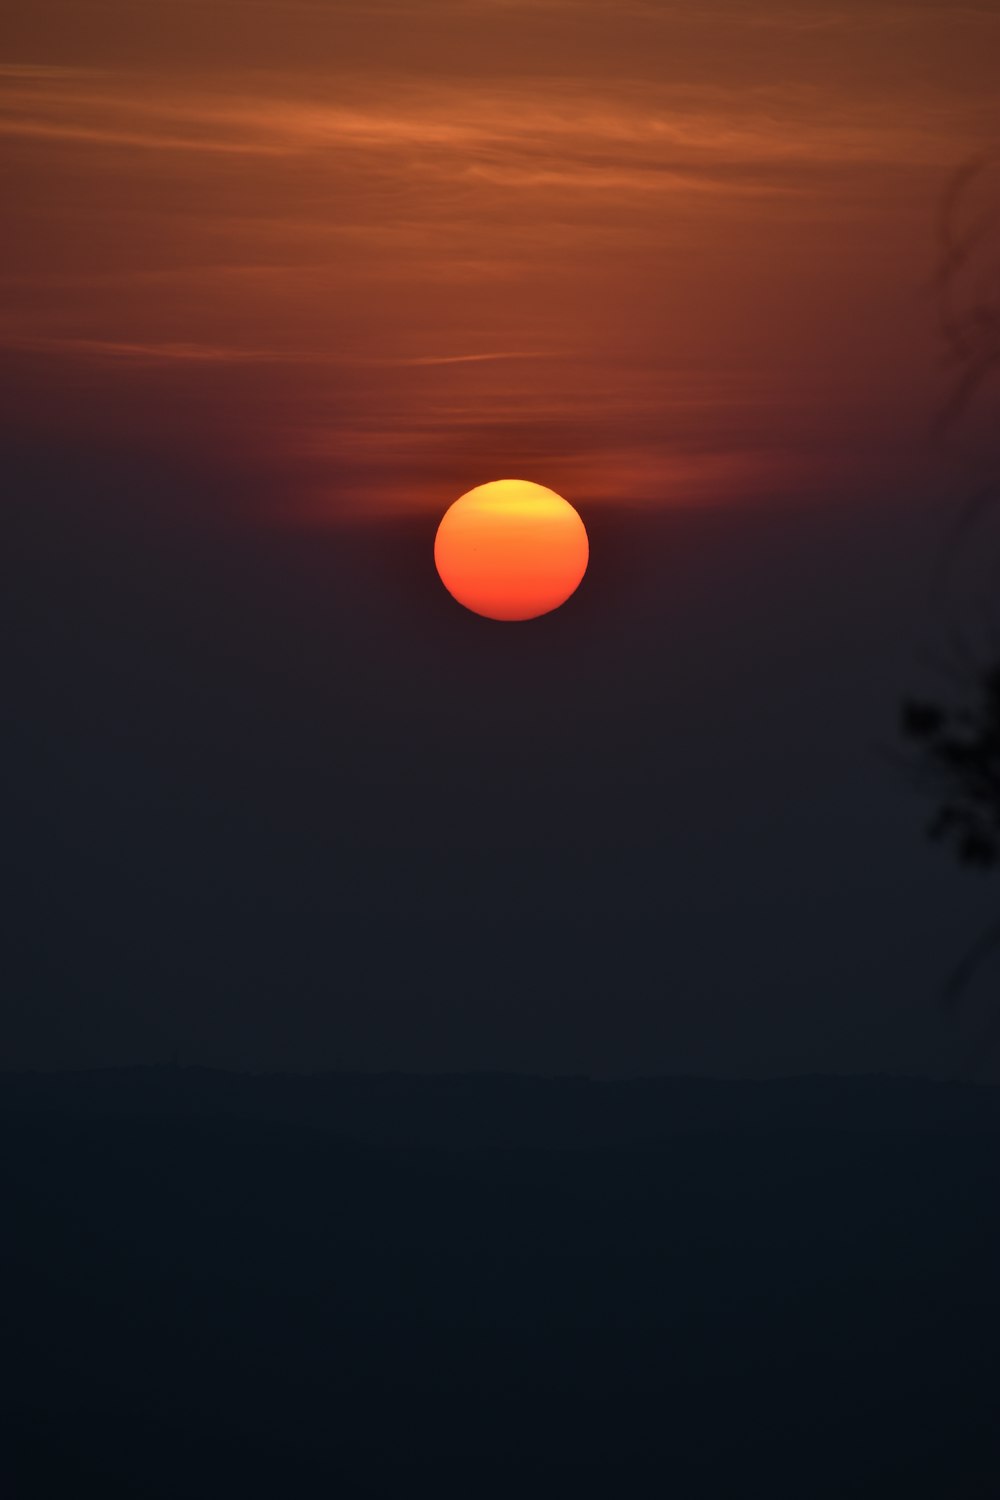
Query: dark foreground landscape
[[220, 1285]]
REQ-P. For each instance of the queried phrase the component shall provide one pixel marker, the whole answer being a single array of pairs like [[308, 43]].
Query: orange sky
[[384, 252]]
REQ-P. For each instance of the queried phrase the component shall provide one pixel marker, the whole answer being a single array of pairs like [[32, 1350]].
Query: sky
[[280, 282]]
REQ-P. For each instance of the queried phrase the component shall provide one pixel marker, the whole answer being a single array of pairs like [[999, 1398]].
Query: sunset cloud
[[174, 353], [556, 132]]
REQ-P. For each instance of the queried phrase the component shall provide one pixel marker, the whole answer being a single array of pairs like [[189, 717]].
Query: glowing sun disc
[[511, 550]]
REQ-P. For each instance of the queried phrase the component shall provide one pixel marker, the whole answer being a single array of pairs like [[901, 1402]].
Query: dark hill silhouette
[[484, 1286]]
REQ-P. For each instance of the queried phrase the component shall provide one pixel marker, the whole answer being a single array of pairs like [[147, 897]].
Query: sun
[[511, 550]]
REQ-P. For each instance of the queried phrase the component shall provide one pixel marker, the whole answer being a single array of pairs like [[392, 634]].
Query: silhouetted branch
[[970, 323], [955, 746], [964, 973]]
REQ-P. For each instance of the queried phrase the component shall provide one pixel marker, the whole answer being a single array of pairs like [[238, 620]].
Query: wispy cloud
[[159, 352], [631, 238], [548, 135]]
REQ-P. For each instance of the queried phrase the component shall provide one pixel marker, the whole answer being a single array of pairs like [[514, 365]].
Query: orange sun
[[511, 550]]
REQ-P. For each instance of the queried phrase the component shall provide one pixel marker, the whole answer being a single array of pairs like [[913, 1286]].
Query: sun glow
[[511, 550]]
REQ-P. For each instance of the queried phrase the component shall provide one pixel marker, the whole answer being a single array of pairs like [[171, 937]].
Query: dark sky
[[274, 296], [279, 801]]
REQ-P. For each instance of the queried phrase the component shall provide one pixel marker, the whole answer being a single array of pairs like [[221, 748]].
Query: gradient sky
[[280, 282], [639, 251]]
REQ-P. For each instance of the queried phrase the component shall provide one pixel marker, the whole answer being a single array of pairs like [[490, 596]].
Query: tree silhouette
[[956, 745], [960, 747]]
